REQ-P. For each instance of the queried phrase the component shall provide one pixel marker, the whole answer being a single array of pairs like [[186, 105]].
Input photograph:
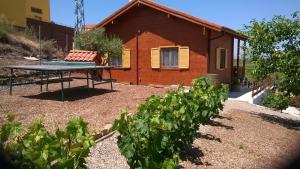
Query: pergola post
[[238, 59], [244, 60]]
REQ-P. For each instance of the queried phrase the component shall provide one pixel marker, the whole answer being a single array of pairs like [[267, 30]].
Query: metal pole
[[10, 81], [67, 43], [40, 52], [62, 85]]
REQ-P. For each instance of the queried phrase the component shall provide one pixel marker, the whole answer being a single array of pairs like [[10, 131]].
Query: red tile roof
[[82, 56], [90, 26], [173, 12]]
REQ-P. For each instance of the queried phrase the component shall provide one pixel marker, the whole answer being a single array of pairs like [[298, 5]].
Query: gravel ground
[[244, 136], [98, 106]]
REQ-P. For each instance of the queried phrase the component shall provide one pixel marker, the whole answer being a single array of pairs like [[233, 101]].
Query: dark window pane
[[169, 57], [222, 58], [36, 10], [116, 61]]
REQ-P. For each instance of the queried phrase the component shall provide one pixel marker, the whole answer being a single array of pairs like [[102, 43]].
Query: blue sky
[[231, 13]]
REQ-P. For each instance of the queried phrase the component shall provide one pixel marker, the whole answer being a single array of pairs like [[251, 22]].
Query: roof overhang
[[171, 12]]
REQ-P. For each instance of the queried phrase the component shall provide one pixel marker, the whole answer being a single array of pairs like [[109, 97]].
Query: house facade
[[164, 46]]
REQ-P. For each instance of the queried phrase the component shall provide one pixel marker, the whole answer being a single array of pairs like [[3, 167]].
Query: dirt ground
[[98, 106], [244, 136]]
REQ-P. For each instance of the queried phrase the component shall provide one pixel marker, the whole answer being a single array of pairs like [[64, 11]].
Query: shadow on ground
[[192, 154], [208, 137], [287, 123], [219, 124], [71, 94]]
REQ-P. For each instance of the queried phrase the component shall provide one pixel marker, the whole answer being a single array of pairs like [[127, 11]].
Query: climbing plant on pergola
[[274, 48]]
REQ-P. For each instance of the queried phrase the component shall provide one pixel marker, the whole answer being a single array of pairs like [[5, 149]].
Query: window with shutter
[[121, 61], [221, 58]]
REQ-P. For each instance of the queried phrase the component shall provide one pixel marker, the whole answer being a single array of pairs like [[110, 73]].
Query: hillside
[[16, 45]]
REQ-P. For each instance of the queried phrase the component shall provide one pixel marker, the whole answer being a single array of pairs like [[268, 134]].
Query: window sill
[[171, 69], [221, 69]]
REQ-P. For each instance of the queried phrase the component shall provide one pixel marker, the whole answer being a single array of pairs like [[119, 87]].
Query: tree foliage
[[163, 125], [97, 40], [276, 100], [40, 149], [274, 47]]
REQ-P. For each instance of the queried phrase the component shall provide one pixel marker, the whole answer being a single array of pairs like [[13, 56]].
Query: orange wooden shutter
[[125, 58], [155, 58], [184, 57]]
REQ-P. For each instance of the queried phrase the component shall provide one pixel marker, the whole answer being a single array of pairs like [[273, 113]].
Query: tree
[[97, 40], [274, 48]]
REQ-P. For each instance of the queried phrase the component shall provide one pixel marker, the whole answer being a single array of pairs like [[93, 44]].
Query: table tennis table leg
[[62, 85], [69, 79], [47, 81], [11, 81], [41, 85], [87, 79], [93, 76], [111, 86]]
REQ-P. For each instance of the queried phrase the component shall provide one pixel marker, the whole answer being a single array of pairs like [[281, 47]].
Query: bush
[[276, 100], [38, 148], [163, 125], [49, 47], [97, 40], [5, 28]]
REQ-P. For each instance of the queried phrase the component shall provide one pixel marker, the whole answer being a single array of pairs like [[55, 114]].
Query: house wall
[[63, 35], [16, 11], [143, 28], [43, 5], [224, 41]]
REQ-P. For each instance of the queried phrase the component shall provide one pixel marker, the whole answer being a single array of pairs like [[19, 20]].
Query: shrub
[[38, 148], [163, 125], [49, 47], [276, 100], [97, 40], [5, 28]]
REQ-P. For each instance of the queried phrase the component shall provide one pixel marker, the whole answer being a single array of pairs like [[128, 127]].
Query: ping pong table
[[62, 67]]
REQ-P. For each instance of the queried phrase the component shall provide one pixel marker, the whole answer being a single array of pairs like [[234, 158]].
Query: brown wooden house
[[165, 46]]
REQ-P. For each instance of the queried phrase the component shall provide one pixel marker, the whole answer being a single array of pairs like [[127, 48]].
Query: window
[[169, 57], [221, 58], [116, 61], [36, 10], [122, 60]]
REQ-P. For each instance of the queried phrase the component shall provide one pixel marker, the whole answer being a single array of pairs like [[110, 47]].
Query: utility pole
[[79, 17]]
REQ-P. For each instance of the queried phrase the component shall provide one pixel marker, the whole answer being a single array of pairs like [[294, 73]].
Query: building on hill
[[36, 14], [164, 46], [17, 11]]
